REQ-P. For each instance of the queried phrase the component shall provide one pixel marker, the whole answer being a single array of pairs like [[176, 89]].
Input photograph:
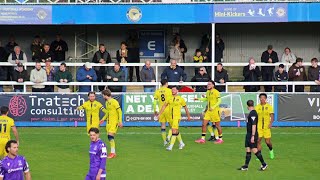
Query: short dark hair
[[91, 92], [123, 43], [8, 145], [46, 45], [4, 110], [106, 92], [117, 63], [263, 94], [250, 103], [198, 50], [164, 81], [177, 87], [270, 47], [281, 66], [212, 82], [299, 60], [219, 64], [63, 64], [314, 59], [101, 45], [95, 130]]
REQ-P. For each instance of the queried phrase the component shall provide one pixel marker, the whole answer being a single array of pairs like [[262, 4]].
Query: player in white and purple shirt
[[13, 166], [98, 157]]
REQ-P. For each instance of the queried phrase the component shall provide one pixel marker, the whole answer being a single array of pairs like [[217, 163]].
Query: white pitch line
[[157, 133]]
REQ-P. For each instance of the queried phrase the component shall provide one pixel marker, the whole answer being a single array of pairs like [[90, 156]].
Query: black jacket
[[221, 75], [59, 55], [313, 73], [201, 78], [45, 55], [251, 76], [20, 75], [101, 55], [265, 57], [280, 77], [174, 75], [219, 47], [36, 50]]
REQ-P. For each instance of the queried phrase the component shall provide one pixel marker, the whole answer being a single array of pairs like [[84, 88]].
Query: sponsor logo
[[18, 106], [134, 14]]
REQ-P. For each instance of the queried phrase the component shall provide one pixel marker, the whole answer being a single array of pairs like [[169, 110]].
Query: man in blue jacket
[[174, 73], [86, 74]]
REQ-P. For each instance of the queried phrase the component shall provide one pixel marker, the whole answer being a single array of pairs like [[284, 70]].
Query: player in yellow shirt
[[6, 124], [92, 108], [213, 112], [265, 120], [175, 103], [160, 96], [114, 119]]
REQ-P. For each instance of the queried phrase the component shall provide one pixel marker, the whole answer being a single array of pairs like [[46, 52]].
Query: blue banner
[[152, 44], [128, 14], [244, 13], [25, 14], [304, 12]]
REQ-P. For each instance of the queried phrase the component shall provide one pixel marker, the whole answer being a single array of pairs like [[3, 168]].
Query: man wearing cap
[[20, 75], [281, 76], [38, 75], [86, 74]]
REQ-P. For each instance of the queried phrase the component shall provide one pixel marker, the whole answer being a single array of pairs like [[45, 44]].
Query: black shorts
[[247, 142]]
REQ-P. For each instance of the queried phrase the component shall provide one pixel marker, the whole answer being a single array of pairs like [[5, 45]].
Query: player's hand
[[98, 177], [196, 99], [270, 126], [120, 125], [101, 121], [252, 139]]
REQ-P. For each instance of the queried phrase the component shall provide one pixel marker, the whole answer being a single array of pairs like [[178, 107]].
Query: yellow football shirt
[[114, 112], [212, 97], [175, 103], [162, 94], [92, 110], [264, 112], [5, 126]]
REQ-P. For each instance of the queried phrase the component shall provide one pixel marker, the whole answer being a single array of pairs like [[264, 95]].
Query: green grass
[[62, 154]]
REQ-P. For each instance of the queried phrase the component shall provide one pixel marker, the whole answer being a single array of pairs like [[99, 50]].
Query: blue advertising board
[[245, 13], [152, 44], [25, 14]]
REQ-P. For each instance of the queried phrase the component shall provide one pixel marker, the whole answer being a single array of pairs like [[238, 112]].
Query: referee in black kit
[[251, 140]]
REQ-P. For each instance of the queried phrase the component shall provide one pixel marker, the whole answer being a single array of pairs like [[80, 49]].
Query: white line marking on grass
[[157, 133]]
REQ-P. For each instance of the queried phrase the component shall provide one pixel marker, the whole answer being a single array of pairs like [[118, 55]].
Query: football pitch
[[62, 154]]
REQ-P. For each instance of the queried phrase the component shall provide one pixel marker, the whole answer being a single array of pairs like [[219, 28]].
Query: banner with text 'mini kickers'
[[139, 107]]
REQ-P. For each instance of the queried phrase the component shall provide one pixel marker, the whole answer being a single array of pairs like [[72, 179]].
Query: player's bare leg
[[112, 146], [269, 144], [219, 139], [175, 135], [202, 140]]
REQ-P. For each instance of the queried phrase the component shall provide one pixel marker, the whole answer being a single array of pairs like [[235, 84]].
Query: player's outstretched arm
[[187, 112], [271, 120], [163, 108], [120, 116], [15, 132]]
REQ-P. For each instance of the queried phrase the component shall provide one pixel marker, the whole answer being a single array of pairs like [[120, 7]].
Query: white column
[[213, 40]]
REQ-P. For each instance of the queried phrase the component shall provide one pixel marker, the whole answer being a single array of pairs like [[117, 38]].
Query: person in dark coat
[[174, 73], [202, 76], [251, 73], [102, 57], [86, 74], [59, 47], [219, 48], [268, 56], [314, 74], [133, 54], [221, 76], [36, 49], [115, 74], [20, 75], [281, 76]]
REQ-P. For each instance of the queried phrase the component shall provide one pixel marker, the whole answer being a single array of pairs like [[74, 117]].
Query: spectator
[[206, 47], [183, 47], [38, 75], [3, 54], [297, 73], [102, 57], [288, 56], [11, 44], [219, 48], [175, 52], [20, 75], [147, 75], [3, 76], [59, 48], [133, 54], [50, 71], [221, 76], [314, 74], [268, 56], [122, 57], [36, 49], [3, 69], [46, 54], [115, 75], [63, 76], [198, 58], [17, 56], [281, 76], [86, 74], [251, 73], [174, 73], [202, 76]]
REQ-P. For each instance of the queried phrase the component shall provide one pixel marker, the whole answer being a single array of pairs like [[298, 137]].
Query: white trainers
[[165, 143], [181, 146], [169, 148]]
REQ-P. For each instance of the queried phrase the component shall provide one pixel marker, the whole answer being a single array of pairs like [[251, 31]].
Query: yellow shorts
[[264, 133], [3, 142], [112, 126], [174, 123], [94, 124], [165, 116], [213, 116]]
